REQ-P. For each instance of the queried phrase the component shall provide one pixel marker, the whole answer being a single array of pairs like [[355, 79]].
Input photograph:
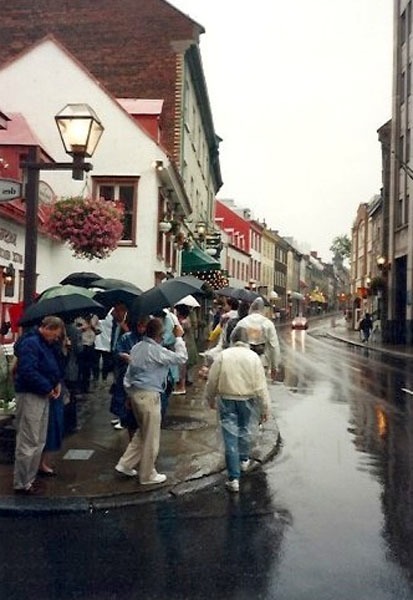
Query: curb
[[395, 353], [11, 505]]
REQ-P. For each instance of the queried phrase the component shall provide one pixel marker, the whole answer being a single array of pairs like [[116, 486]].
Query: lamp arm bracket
[[56, 166]]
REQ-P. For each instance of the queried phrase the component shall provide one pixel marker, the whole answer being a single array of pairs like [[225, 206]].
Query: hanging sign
[[46, 193], [10, 190]]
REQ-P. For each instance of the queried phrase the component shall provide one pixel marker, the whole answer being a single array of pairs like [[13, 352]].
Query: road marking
[[407, 391]]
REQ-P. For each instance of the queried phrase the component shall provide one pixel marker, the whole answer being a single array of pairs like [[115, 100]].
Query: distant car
[[299, 323]]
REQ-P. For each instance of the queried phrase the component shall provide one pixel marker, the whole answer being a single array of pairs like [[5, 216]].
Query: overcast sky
[[298, 91]]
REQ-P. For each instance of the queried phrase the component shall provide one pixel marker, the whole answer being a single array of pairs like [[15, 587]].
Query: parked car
[[299, 322]]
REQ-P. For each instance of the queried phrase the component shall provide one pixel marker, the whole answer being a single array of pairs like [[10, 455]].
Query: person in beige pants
[[144, 381]]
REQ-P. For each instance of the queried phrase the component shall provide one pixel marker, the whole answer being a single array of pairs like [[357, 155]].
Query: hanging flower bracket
[[91, 227]]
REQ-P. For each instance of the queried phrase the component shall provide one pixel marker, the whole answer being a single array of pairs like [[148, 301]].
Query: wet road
[[330, 518]]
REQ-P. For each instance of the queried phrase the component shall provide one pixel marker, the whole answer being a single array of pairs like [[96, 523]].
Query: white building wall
[[39, 84]]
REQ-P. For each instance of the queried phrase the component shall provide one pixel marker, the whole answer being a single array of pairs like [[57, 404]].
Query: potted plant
[[92, 227], [377, 284]]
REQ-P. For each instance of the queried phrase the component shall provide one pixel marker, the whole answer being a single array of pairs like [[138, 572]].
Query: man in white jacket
[[262, 336], [237, 379]]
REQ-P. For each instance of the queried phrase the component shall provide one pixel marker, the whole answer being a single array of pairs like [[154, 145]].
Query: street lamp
[[80, 130]]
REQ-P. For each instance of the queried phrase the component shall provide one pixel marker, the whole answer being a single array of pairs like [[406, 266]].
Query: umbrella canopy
[[64, 290], [166, 294], [117, 296], [237, 293], [240, 294], [189, 301], [66, 307], [109, 283], [81, 278]]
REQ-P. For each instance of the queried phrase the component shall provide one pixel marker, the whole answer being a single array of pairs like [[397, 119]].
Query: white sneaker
[[125, 471], [155, 478], [118, 426], [114, 421], [245, 465], [232, 485]]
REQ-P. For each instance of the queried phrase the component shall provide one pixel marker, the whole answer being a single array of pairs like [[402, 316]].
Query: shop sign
[[46, 193], [10, 190]]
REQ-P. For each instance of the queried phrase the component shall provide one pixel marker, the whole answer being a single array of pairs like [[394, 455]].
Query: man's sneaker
[[125, 471], [115, 421], [232, 485], [155, 478], [118, 426], [245, 465]]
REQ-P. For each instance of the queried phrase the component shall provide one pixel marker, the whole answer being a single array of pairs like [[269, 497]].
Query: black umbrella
[[118, 295], [81, 278], [166, 294], [66, 307], [241, 294], [109, 283]]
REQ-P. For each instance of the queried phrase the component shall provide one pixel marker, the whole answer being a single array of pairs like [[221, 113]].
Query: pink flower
[[91, 227]]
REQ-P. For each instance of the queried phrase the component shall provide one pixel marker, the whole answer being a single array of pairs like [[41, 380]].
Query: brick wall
[[131, 46]]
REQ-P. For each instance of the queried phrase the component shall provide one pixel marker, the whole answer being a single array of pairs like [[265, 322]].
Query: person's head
[[159, 314], [240, 334], [154, 329], [140, 325], [51, 329], [182, 311], [231, 304], [243, 309], [257, 306], [119, 312]]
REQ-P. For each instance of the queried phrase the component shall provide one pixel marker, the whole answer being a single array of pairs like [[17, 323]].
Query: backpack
[[256, 338]]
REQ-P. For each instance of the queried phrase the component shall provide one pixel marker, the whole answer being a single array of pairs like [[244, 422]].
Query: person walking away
[[103, 356], [122, 357], [262, 336], [37, 380], [242, 311], [89, 327], [144, 381], [185, 371], [71, 376], [171, 330], [366, 327], [120, 326], [237, 378]]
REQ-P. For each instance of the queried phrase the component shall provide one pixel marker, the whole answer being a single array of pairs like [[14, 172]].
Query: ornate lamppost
[[80, 130]]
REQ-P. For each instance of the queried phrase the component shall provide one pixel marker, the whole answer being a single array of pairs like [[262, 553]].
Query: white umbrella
[[189, 301]]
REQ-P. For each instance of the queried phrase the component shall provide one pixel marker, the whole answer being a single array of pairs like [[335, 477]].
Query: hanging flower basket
[[91, 227], [377, 284]]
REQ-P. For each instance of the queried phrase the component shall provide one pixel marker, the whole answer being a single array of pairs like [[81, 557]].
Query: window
[[124, 191], [399, 214], [401, 148], [406, 209], [403, 28], [402, 87]]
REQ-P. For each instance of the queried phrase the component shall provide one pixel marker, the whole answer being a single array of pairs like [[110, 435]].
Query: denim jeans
[[238, 419]]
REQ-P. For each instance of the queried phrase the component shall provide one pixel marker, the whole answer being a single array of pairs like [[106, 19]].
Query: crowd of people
[[146, 361]]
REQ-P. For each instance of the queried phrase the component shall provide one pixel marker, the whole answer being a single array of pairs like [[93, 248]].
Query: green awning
[[198, 260]]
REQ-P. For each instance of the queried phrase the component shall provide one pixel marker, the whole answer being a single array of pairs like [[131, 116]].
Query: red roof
[[18, 133], [141, 106]]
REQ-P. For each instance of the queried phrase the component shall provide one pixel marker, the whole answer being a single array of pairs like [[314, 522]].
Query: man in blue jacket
[[37, 380]]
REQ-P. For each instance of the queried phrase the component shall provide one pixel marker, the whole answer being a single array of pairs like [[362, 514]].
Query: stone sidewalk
[[191, 455]]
